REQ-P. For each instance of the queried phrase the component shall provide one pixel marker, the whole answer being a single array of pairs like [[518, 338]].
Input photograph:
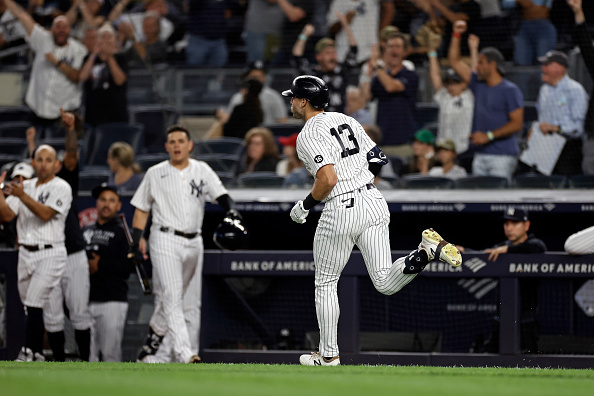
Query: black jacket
[[108, 241]]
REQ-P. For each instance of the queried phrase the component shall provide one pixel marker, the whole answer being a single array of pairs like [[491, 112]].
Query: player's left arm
[[376, 159]]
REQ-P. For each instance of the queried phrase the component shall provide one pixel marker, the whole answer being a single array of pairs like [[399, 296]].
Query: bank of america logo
[[478, 287], [475, 264]]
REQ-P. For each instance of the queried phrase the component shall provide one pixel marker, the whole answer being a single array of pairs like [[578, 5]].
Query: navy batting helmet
[[230, 234], [312, 88]]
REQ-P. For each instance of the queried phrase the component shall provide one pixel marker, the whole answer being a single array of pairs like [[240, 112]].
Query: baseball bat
[[140, 272]]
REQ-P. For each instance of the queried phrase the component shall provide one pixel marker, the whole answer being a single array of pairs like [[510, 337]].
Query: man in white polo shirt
[[55, 72]]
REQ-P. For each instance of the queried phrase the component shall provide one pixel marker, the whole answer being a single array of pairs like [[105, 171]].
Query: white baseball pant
[[357, 218], [38, 273], [74, 289], [107, 330], [175, 260]]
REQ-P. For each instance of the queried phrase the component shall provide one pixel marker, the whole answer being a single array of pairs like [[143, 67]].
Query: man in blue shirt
[[498, 110], [562, 105]]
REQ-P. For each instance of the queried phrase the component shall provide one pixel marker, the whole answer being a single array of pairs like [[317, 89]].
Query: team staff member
[[516, 226], [74, 285], [41, 205], [344, 161], [107, 250], [176, 190]]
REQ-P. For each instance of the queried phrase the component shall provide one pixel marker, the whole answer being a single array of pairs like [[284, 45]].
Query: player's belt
[[35, 248], [188, 235]]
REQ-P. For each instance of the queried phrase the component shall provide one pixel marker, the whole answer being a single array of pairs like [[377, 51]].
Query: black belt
[[35, 248], [188, 235]]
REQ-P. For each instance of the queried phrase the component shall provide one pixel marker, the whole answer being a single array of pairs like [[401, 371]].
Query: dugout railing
[[245, 293]]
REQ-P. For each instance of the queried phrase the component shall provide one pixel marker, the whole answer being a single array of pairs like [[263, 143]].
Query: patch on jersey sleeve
[[318, 159]]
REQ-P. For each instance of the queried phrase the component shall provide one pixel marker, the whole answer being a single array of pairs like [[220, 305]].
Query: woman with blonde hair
[[126, 174], [261, 152]]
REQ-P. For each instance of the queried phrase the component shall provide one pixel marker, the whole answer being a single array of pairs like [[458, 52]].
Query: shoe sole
[[449, 253]]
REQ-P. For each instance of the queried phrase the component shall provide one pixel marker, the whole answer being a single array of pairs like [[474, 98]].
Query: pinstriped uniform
[[192, 306], [40, 271], [354, 214], [176, 198], [581, 242]]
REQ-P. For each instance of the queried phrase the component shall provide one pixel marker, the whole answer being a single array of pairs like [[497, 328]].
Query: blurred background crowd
[[129, 69]]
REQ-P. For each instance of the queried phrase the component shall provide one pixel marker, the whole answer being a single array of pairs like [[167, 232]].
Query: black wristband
[[309, 202], [136, 235]]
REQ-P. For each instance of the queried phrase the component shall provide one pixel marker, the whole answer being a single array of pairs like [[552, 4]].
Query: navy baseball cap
[[515, 214], [554, 56], [104, 187]]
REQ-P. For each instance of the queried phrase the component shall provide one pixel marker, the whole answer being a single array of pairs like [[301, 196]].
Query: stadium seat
[[397, 163], [106, 134], [284, 129], [481, 182], [530, 112], [260, 180], [156, 119], [535, 180], [87, 180], [228, 179], [145, 161], [224, 145], [427, 113], [14, 129], [227, 163], [416, 181], [14, 146], [581, 181], [14, 113]]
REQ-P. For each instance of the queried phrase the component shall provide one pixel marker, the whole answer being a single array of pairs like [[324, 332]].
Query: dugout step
[[387, 341]]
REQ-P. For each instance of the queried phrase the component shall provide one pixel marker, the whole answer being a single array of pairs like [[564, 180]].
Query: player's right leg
[[38, 274], [157, 325], [75, 287], [332, 248], [167, 253]]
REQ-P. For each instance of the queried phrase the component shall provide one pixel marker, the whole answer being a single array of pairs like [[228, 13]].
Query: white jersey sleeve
[[142, 198], [39, 38], [13, 204], [214, 185], [60, 198]]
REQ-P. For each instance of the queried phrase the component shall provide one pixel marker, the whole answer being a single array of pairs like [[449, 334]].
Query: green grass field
[[131, 379]]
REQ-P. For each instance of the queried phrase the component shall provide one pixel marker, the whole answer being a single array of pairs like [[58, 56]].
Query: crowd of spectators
[[368, 52]]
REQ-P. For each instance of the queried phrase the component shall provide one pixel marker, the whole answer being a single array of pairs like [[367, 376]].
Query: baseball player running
[[41, 205], [344, 161], [176, 190]]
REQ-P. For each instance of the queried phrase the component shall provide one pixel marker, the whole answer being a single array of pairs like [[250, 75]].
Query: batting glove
[[299, 213]]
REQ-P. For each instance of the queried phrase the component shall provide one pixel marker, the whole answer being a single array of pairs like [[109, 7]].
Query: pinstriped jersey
[[32, 230], [177, 197], [335, 138], [49, 89]]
